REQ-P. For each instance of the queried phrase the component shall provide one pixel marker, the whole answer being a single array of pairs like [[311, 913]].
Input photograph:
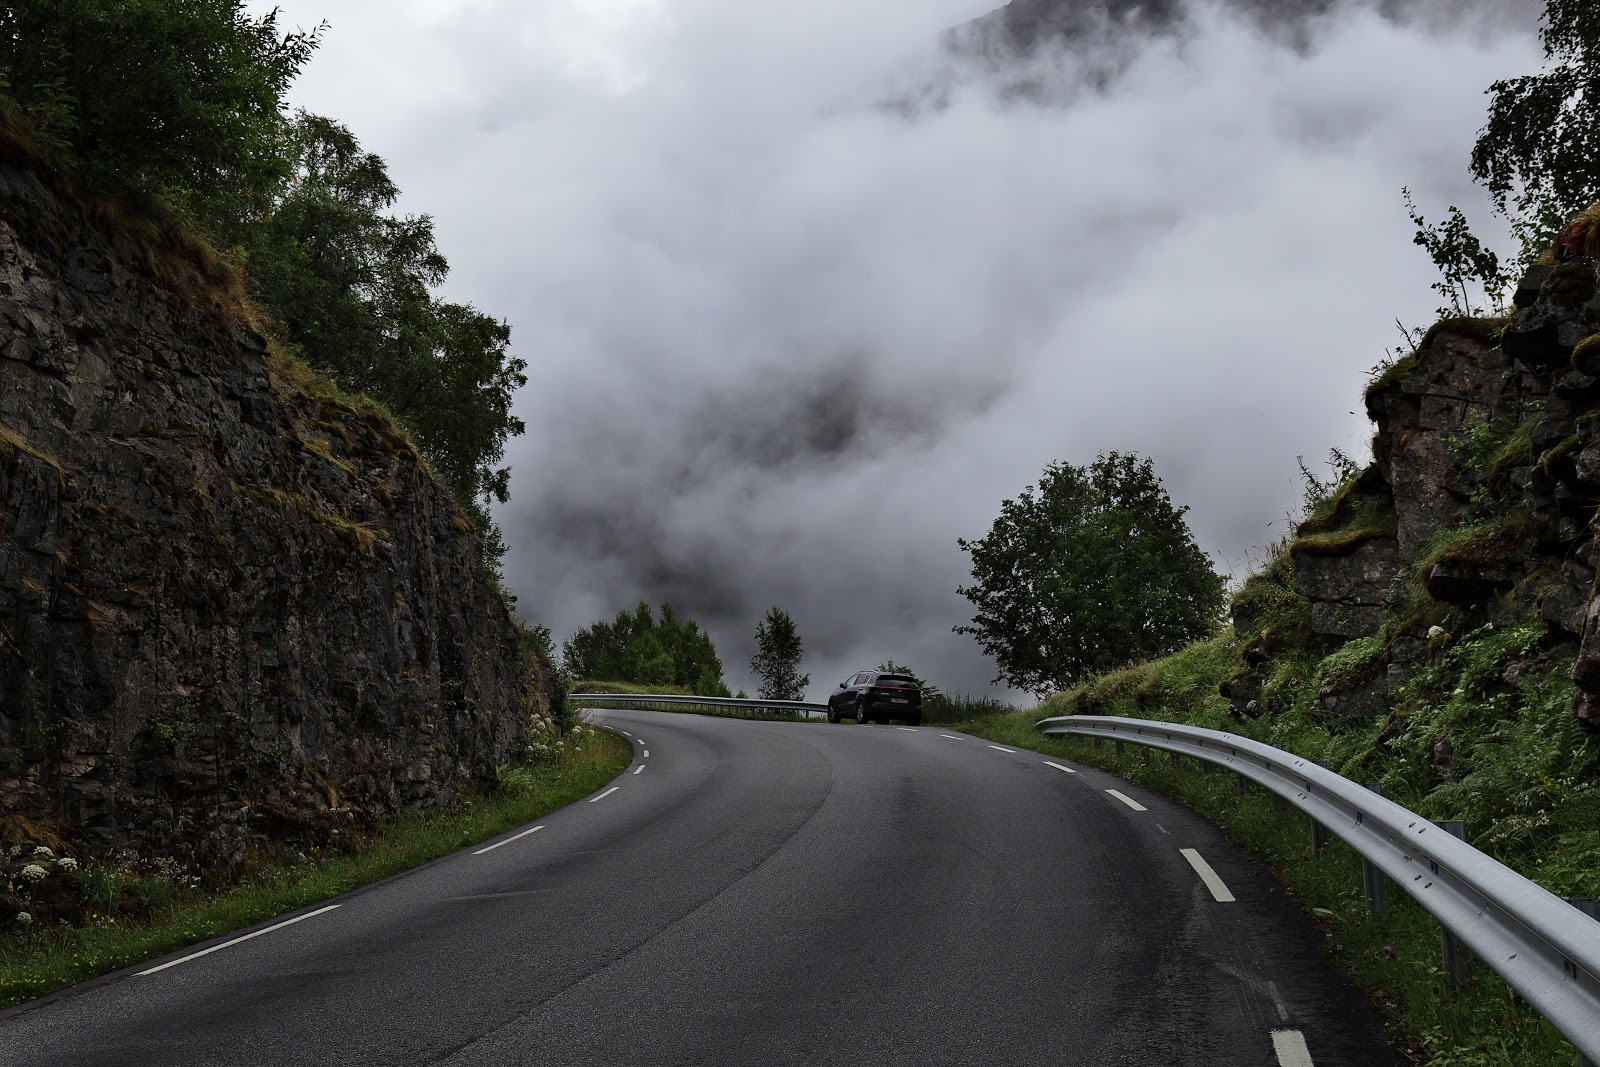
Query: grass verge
[[38, 961], [1395, 958]]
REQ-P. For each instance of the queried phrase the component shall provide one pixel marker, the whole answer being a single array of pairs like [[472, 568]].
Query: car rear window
[[895, 681]]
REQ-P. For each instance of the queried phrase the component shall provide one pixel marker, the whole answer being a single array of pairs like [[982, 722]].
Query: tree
[[1094, 570], [777, 658], [182, 101], [349, 285], [636, 648], [1538, 155]]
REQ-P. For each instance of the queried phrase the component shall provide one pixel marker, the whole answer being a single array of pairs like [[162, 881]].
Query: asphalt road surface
[[768, 893]]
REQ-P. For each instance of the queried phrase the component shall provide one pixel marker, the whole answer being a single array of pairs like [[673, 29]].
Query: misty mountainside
[[236, 608], [1023, 26]]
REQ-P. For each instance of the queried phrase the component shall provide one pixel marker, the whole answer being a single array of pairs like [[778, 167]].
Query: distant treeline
[[178, 109], [637, 647]]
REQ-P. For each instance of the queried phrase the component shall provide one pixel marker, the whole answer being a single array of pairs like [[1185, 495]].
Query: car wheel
[[833, 713], [861, 712]]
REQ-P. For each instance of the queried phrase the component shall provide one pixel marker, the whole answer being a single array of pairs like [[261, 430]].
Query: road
[[769, 893]]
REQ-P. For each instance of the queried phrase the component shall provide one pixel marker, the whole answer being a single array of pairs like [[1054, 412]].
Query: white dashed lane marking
[[952, 737], [640, 768], [508, 840], [999, 749], [237, 940], [647, 753], [908, 729], [1058, 767], [607, 793], [1290, 1045], [1209, 877], [1132, 803]]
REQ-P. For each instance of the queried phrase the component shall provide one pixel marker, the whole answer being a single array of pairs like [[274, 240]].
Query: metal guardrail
[[799, 707], [1545, 949]]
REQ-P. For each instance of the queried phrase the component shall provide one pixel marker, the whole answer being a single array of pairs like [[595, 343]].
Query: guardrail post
[[1319, 833], [1455, 958], [1099, 741], [1278, 803], [1242, 784], [1118, 743], [1172, 760], [1374, 883]]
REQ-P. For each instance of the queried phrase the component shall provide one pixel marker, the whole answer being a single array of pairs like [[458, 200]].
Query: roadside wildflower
[[43, 853], [33, 873], [67, 863], [1436, 632], [23, 918]]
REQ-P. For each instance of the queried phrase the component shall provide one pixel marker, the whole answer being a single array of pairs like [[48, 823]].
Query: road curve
[[769, 893]]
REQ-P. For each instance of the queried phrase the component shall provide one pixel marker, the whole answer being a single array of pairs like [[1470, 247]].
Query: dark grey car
[[877, 696]]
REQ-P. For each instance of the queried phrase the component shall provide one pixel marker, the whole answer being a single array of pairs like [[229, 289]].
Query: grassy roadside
[[37, 961], [1395, 958]]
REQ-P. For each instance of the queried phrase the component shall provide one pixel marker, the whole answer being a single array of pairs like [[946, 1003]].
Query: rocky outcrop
[[234, 606], [1483, 489]]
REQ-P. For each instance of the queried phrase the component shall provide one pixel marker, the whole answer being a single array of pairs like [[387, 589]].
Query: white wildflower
[[67, 863], [43, 853], [1436, 632], [23, 918], [33, 873]]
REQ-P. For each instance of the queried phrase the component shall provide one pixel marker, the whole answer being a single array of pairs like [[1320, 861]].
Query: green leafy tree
[[350, 285], [1095, 569], [179, 100], [777, 659], [1538, 155], [637, 647]]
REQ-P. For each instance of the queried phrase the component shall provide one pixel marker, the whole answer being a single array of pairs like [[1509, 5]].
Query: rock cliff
[[1478, 507], [234, 605]]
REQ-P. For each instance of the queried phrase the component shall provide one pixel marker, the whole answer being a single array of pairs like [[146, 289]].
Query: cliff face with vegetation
[[1477, 510], [234, 605]]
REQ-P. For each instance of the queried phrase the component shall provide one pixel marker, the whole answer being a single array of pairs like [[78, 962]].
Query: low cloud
[[804, 300]]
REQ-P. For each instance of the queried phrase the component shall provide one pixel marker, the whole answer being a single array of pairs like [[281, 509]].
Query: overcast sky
[[786, 343]]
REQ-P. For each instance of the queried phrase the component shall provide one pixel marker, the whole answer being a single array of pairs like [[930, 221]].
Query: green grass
[[1395, 958], [37, 961]]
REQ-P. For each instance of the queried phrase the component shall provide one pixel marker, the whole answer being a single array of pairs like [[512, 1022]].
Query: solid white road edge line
[[1290, 1045], [1207, 875], [237, 940], [907, 729], [508, 840], [1058, 767], [607, 793], [953, 737], [1132, 803], [641, 767], [997, 747]]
